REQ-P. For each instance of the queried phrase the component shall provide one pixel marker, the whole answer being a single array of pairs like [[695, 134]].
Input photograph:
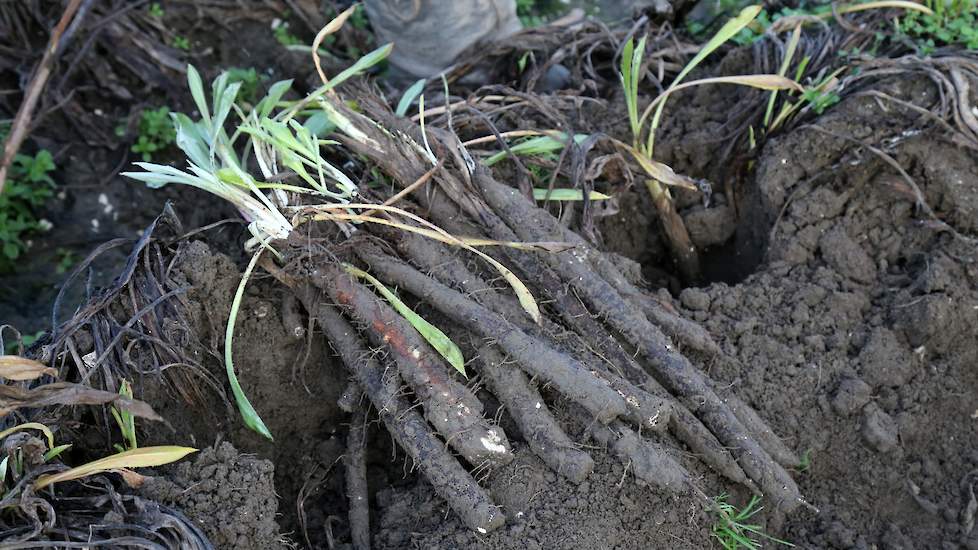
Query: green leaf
[[248, 413], [536, 146], [408, 97], [438, 340], [542, 194], [319, 124], [197, 91], [56, 452], [275, 93]]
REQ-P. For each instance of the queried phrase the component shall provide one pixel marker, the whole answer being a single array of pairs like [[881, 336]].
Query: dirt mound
[[546, 510], [231, 496]]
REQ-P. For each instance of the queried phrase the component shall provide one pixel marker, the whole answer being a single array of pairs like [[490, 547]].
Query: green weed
[[731, 528], [820, 100], [28, 186], [125, 420], [156, 132], [283, 36], [156, 10], [181, 43], [249, 79], [535, 13], [66, 259], [26, 340], [951, 23]]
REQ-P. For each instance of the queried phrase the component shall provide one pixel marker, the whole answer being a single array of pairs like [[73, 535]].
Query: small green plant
[[731, 528], [954, 22], [12, 347], [805, 462], [156, 132], [249, 79], [180, 43], [281, 31], [29, 185], [66, 259], [125, 420], [820, 100], [156, 10]]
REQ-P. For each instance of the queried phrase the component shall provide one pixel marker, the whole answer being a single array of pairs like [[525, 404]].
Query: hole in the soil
[[729, 263]]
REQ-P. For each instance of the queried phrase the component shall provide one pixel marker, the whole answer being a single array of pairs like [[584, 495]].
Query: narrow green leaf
[[275, 93], [542, 194], [248, 413], [408, 97], [197, 91], [434, 336], [536, 146], [56, 452]]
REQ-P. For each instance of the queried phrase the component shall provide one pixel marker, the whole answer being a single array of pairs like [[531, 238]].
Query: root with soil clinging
[[356, 481]]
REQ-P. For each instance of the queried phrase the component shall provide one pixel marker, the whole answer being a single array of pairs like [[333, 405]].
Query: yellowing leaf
[[541, 194], [136, 458], [17, 368], [30, 426]]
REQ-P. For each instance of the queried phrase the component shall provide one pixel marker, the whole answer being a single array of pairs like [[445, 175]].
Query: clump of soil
[[230, 495], [546, 510]]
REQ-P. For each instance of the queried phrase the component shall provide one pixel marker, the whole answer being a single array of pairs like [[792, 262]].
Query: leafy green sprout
[[156, 132], [125, 420], [805, 461], [280, 29], [249, 79], [181, 43], [954, 22], [13, 347], [732, 530], [65, 260], [156, 10], [28, 187]]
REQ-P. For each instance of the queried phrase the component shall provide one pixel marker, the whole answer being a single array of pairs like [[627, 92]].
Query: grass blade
[[549, 143], [434, 336], [728, 31], [137, 458], [789, 53], [408, 97], [248, 413]]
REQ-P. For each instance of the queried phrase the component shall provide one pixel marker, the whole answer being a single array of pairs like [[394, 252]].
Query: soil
[[846, 319]]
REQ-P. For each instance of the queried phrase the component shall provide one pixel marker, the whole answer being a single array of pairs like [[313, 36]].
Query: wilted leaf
[[434, 336], [30, 426], [136, 458], [66, 393], [659, 171], [17, 368]]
